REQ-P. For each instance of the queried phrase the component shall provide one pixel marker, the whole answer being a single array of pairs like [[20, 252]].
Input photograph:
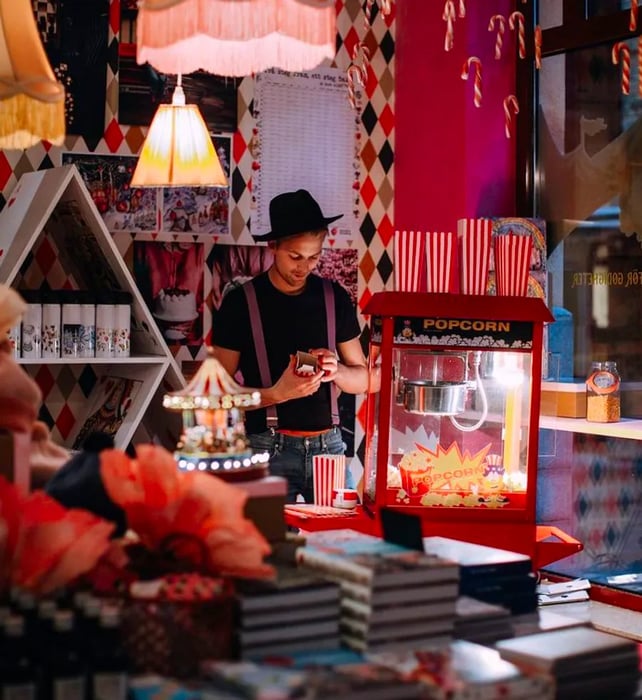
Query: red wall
[[452, 160]]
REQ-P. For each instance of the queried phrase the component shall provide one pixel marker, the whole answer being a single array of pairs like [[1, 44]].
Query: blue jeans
[[291, 457]]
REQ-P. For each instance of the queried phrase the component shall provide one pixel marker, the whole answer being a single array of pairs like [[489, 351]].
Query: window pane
[[606, 7], [589, 178], [550, 13]]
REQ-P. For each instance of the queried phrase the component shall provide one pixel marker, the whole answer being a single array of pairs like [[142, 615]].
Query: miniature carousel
[[213, 437]]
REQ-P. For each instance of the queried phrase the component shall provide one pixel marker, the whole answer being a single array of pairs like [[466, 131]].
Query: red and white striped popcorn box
[[408, 255], [328, 472], [474, 236], [441, 262], [512, 264]]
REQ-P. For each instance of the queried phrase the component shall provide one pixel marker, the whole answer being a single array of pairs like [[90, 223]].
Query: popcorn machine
[[452, 433]]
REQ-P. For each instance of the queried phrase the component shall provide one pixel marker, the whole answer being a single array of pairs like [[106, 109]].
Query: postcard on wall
[[108, 178], [169, 275], [204, 210]]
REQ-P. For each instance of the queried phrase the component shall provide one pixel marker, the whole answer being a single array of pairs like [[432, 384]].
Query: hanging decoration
[[462, 8], [538, 47], [511, 107], [449, 16], [235, 38], [621, 53], [465, 73], [633, 16], [178, 150], [500, 21], [516, 21], [640, 66], [358, 71]]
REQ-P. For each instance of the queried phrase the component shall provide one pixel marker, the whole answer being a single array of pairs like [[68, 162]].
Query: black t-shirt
[[290, 323]]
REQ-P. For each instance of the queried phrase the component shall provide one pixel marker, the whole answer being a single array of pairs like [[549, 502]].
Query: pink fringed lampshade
[[235, 37], [32, 101]]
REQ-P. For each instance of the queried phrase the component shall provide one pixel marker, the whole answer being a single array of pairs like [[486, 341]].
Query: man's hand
[[293, 385], [328, 363]]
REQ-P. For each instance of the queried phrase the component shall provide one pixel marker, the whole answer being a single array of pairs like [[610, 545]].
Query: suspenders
[[261, 352]]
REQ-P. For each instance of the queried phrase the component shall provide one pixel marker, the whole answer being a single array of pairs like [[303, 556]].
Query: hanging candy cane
[[511, 107], [633, 17], [354, 78], [500, 20], [538, 47], [449, 16], [465, 72], [367, 20], [462, 8], [640, 66], [361, 59], [621, 52], [516, 19]]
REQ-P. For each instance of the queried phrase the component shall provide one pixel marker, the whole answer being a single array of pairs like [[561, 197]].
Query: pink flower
[[198, 517], [47, 545]]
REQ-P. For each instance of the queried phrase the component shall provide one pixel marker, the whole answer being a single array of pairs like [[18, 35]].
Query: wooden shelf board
[[630, 428]]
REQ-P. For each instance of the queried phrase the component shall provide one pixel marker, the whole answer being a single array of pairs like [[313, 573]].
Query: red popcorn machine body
[[452, 431]]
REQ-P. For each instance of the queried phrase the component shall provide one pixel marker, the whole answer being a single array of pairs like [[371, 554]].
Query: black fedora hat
[[295, 212]]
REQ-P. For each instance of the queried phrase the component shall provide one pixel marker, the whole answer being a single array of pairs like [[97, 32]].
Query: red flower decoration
[[199, 516], [46, 546]]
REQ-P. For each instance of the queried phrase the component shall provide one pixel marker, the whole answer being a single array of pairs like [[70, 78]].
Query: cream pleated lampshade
[[178, 150], [32, 101], [235, 37]]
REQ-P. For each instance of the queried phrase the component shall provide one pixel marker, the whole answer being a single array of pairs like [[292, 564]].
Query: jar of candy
[[603, 393]]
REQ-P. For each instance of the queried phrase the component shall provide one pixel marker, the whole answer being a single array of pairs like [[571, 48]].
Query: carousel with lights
[[213, 436]]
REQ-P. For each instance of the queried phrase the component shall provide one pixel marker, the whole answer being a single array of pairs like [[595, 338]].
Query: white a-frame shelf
[[53, 208]]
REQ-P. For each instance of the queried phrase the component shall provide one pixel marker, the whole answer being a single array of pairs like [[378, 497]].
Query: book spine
[[335, 567]]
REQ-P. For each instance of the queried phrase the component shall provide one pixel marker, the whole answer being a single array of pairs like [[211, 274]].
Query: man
[[260, 327]]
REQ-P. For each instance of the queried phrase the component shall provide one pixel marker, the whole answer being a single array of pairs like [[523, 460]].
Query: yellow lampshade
[[178, 150], [32, 101], [235, 37]]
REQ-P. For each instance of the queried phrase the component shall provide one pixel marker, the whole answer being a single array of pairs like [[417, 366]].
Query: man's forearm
[[269, 397], [353, 379]]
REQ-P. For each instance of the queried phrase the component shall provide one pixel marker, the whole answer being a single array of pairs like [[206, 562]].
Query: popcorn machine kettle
[[452, 432], [440, 385]]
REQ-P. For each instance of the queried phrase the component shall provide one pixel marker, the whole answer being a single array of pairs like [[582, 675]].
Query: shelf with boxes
[[53, 238], [563, 407]]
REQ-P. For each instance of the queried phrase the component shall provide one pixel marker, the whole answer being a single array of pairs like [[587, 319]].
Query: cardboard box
[[563, 399]]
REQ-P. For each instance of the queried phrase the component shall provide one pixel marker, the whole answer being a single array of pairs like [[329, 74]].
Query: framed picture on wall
[[108, 178], [200, 210], [169, 275], [141, 88], [75, 36]]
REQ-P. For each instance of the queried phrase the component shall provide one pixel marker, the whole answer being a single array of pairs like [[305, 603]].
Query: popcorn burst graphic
[[451, 470]]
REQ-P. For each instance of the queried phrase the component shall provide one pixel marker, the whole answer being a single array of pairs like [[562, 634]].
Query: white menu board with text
[[306, 138]]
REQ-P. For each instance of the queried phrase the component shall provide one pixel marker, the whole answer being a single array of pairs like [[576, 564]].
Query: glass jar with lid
[[603, 393]]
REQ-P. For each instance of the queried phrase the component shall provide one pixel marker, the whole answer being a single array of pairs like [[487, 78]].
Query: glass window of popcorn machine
[[452, 425]]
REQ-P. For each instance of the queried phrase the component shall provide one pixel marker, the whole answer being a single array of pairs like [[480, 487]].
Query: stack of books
[[298, 611], [490, 574], [585, 663], [483, 623], [466, 671], [390, 596]]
